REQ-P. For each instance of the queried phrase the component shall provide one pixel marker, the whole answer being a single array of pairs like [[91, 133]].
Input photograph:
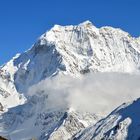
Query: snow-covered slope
[[122, 124], [9, 96], [67, 50], [33, 120]]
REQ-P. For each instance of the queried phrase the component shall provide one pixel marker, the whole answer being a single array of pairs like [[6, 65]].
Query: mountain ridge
[[120, 124]]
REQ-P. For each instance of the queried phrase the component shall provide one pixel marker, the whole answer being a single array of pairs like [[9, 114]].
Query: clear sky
[[23, 21]]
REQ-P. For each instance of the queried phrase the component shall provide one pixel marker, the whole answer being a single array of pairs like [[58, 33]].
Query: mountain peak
[[58, 28], [86, 23], [74, 50]]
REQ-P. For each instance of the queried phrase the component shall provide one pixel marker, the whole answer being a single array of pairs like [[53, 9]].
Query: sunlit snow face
[[98, 93]]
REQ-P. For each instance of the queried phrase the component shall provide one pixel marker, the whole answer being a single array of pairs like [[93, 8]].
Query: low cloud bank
[[95, 93]]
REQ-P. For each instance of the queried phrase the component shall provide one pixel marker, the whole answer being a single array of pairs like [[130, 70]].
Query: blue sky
[[23, 21]]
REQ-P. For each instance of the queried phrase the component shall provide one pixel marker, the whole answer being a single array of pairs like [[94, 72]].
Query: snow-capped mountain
[[63, 50], [123, 123], [73, 50]]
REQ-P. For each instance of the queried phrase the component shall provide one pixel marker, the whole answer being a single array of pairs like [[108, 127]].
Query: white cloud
[[100, 93]]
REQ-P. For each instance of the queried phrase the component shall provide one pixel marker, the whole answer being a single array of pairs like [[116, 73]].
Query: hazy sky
[[23, 21]]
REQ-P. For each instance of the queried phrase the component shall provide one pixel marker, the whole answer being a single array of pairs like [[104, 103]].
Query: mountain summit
[[63, 50]]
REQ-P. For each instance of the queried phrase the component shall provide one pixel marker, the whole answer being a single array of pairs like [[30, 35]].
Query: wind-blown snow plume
[[95, 92]]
